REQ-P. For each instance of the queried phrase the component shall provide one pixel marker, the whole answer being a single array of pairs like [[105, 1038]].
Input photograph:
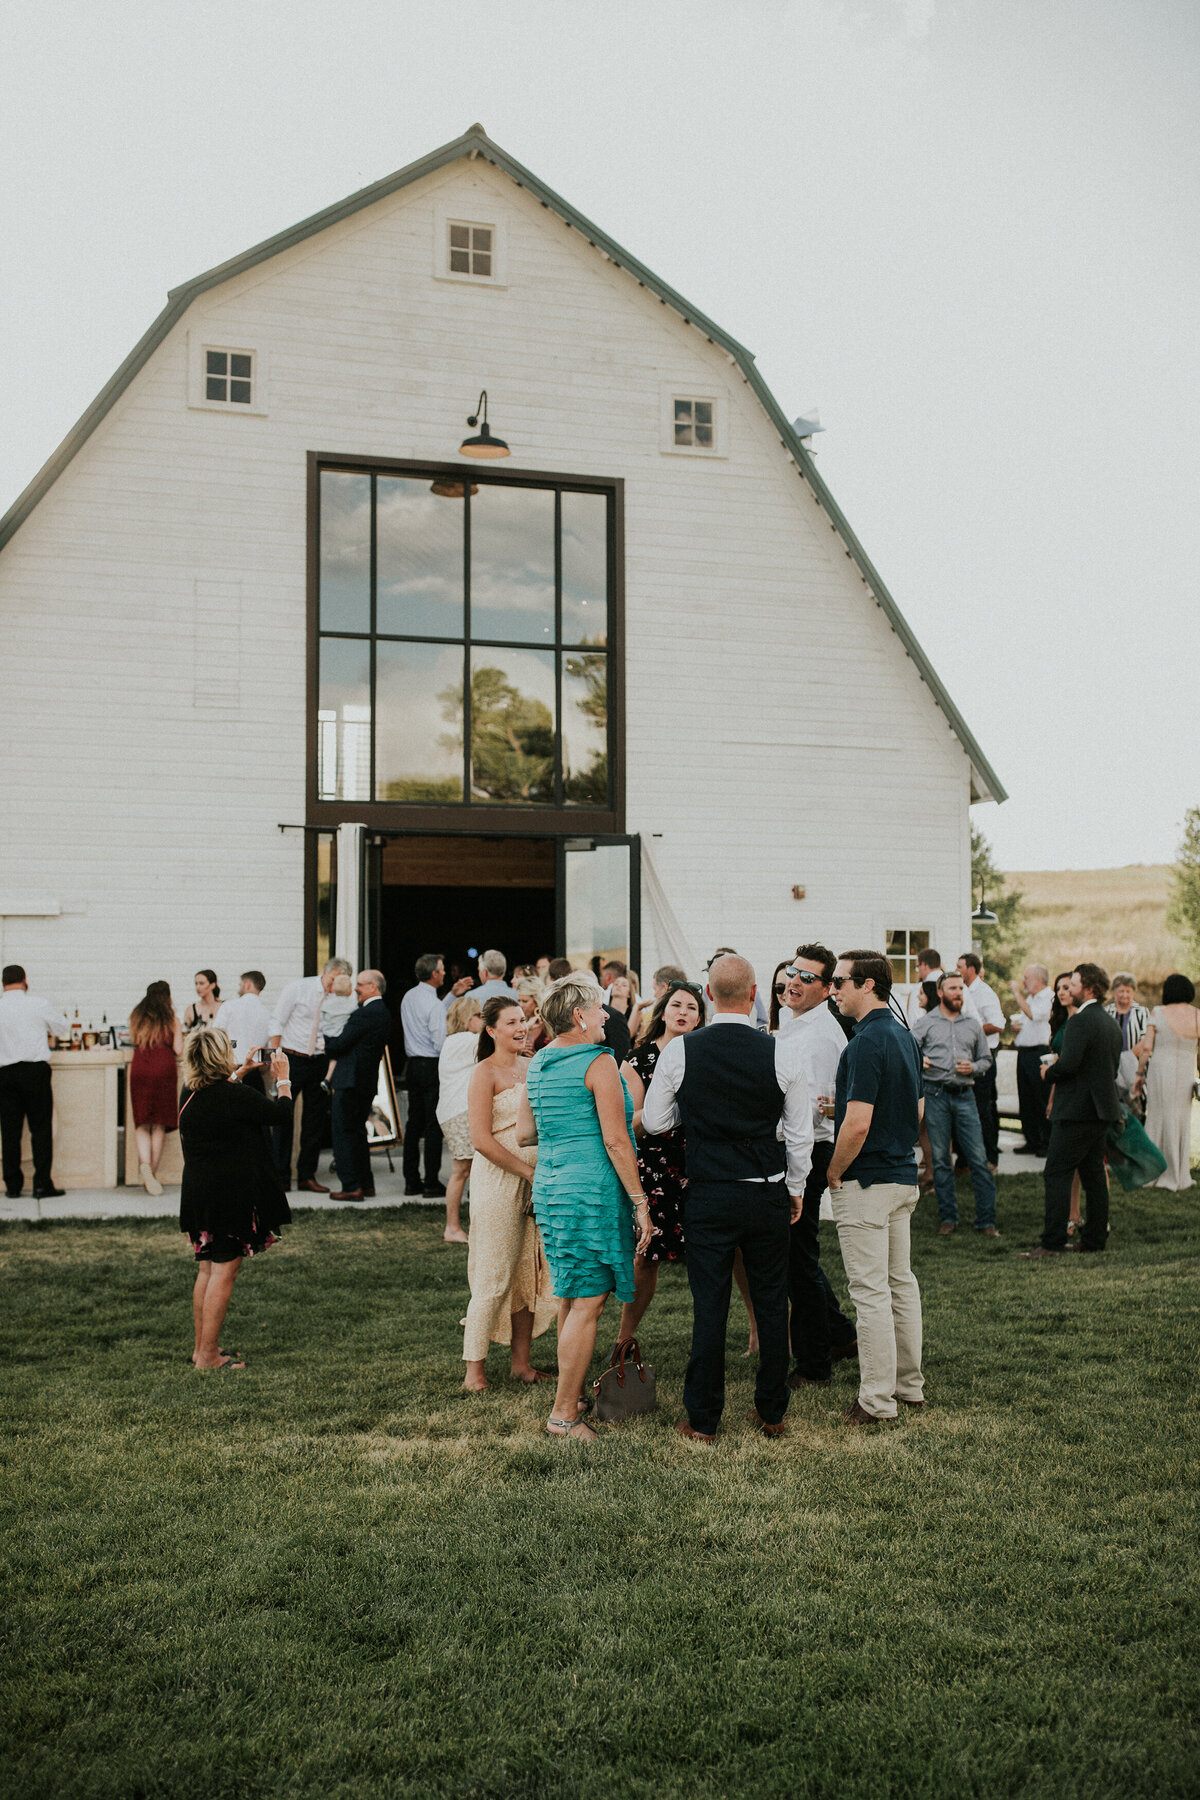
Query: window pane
[[460, 262], [704, 435], [240, 365], [418, 722], [214, 389], [585, 729], [512, 726], [704, 412], [344, 721], [683, 433], [512, 564], [683, 409], [240, 391], [419, 560], [460, 237], [483, 237], [215, 363], [597, 904], [345, 552], [584, 568], [481, 263]]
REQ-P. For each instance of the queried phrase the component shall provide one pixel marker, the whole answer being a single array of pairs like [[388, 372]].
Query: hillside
[[1116, 917]]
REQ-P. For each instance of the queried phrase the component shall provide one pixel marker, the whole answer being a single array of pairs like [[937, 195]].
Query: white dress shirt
[[820, 1041], [424, 1020], [660, 1112], [25, 1022], [984, 1002], [1035, 1031], [247, 1022], [296, 1011]]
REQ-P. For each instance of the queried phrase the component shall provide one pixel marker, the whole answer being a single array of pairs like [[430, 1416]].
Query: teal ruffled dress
[[582, 1210]]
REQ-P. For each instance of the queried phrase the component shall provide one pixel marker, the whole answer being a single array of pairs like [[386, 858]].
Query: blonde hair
[[343, 987], [208, 1057], [459, 1016], [565, 995]]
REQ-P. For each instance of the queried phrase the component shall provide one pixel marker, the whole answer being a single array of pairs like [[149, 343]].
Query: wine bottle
[[76, 1032]]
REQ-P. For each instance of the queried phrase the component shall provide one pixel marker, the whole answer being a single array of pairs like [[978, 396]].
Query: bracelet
[[636, 1200]]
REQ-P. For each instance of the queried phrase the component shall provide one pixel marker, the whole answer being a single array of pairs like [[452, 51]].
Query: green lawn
[[334, 1575]]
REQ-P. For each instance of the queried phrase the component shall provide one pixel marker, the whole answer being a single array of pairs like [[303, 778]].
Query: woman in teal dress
[[587, 1194]]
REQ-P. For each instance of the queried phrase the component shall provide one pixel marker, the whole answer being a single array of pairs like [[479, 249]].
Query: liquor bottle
[[76, 1032]]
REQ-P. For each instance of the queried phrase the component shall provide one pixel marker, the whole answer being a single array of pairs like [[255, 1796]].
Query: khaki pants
[[873, 1231]]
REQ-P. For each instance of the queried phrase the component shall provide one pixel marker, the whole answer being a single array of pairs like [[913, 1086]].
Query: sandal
[[569, 1428]]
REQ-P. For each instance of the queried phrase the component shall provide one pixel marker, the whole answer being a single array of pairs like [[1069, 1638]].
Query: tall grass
[[1116, 917]]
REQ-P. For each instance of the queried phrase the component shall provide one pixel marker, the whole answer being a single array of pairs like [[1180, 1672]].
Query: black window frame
[[467, 813]]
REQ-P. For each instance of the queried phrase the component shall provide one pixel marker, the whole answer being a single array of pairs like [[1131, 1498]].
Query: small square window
[[229, 377], [903, 948], [471, 250], [694, 425]]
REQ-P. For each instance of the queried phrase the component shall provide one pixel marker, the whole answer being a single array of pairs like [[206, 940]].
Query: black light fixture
[[484, 446], [983, 914]]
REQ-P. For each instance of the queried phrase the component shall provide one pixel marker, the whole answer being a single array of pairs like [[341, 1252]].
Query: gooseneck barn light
[[483, 446]]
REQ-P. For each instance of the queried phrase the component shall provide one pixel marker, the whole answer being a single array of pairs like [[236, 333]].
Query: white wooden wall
[[152, 690]]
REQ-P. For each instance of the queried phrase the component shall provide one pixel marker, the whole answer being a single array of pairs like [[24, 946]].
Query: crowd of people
[[603, 1133]]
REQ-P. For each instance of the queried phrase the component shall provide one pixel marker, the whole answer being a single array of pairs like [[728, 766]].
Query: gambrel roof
[[985, 784]]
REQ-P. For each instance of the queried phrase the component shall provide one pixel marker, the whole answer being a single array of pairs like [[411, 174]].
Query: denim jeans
[[952, 1112]]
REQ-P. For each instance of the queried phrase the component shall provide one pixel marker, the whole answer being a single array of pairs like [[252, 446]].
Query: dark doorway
[[456, 920]]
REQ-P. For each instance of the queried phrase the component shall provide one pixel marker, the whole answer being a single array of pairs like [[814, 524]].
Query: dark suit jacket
[[360, 1044], [1085, 1075], [616, 1034]]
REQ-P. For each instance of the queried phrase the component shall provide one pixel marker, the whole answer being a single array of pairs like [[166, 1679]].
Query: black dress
[[232, 1201], [660, 1164]]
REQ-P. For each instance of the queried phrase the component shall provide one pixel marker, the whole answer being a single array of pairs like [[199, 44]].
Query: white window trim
[[199, 343], [718, 398], [443, 218]]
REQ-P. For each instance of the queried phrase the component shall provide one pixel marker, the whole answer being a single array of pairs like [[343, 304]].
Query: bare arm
[[480, 1095], [604, 1080], [637, 1093], [177, 1035], [526, 1123], [850, 1139], [1144, 1048]]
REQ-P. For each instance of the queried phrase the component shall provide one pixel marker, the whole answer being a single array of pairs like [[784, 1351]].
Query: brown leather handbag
[[627, 1386]]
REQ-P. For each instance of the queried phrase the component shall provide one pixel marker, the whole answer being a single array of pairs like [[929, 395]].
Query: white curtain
[[670, 942], [347, 927]]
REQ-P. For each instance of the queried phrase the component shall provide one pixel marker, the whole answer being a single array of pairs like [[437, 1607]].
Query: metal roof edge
[[476, 142]]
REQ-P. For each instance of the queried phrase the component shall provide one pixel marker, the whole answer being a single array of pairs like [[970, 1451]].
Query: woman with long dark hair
[[778, 990], [1168, 1055], [153, 1096], [680, 1010], [511, 1301], [207, 1004], [1063, 1007]]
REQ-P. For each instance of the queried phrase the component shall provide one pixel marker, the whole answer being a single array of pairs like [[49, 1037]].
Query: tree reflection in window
[[585, 728], [512, 727]]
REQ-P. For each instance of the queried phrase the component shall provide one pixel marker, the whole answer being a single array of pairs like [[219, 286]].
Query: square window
[[471, 250], [692, 424], [229, 377], [216, 362]]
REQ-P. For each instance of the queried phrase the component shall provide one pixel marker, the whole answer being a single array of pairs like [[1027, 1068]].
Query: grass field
[[1116, 917], [335, 1576]]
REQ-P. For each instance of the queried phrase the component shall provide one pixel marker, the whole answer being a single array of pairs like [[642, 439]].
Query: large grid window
[[903, 948], [463, 642]]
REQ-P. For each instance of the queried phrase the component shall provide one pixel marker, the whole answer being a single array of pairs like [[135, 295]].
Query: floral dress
[[660, 1163]]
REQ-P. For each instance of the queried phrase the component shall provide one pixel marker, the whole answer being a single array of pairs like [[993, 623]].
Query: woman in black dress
[[232, 1201], [660, 1159]]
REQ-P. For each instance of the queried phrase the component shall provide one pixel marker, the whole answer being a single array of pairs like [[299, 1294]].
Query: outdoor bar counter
[[86, 1114]]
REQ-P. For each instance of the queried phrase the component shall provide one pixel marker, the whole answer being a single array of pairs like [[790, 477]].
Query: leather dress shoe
[[858, 1415], [50, 1193], [435, 1191], [770, 1431], [1028, 1150], [410, 1191], [991, 1231], [349, 1194], [1036, 1254], [310, 1187], [13, 1193], [916, 1405], [684, 1429], [946, 1228], [842, 1352], [796, 1380], [368, 1193]]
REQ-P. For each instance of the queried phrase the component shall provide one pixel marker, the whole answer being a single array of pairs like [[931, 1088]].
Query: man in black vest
[[1085, 1105], [359, 1050], [733, 1089]]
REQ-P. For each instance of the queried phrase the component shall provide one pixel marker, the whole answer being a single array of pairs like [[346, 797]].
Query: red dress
[[154, 1086]]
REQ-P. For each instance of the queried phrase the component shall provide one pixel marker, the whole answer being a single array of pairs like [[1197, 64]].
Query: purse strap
[[627, 1347]]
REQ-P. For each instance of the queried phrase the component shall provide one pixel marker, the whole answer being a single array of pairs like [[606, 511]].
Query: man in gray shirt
[[955, 1054]]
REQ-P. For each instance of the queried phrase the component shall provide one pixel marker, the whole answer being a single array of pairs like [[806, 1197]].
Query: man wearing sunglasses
[[873, 1185], [820, 1332]]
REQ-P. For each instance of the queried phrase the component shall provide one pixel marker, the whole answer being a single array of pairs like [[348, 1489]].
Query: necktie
[[315, 1033]]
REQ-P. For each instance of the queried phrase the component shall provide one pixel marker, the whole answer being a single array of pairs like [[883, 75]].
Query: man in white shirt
[[247, 1023], [744, 1103], [423, 1018], [296, 1026], [984, 1002], [26, 1025], [821, 1334], [1035, 998]]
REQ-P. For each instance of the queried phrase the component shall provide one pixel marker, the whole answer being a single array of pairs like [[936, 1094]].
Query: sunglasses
[[781, 987], [839, 981], [805, 976], [685, 987]]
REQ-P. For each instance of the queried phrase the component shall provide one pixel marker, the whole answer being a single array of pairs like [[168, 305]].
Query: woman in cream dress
[[1168, 1055], [511, 1296]]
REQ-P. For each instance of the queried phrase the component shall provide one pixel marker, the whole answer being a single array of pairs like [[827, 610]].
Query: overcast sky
[[966, 229]]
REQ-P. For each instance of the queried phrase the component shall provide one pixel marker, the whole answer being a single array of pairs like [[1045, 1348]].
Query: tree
[[1002, 945], [1183, 906], [512, 738]]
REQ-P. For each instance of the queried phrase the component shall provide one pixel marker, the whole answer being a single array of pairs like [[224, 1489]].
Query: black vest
[[730, 1105]]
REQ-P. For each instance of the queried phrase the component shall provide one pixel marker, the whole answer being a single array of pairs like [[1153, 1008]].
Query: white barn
[[276, 675]]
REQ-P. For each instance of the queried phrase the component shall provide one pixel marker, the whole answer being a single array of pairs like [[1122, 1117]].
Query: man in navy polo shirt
[[873, 1185]]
